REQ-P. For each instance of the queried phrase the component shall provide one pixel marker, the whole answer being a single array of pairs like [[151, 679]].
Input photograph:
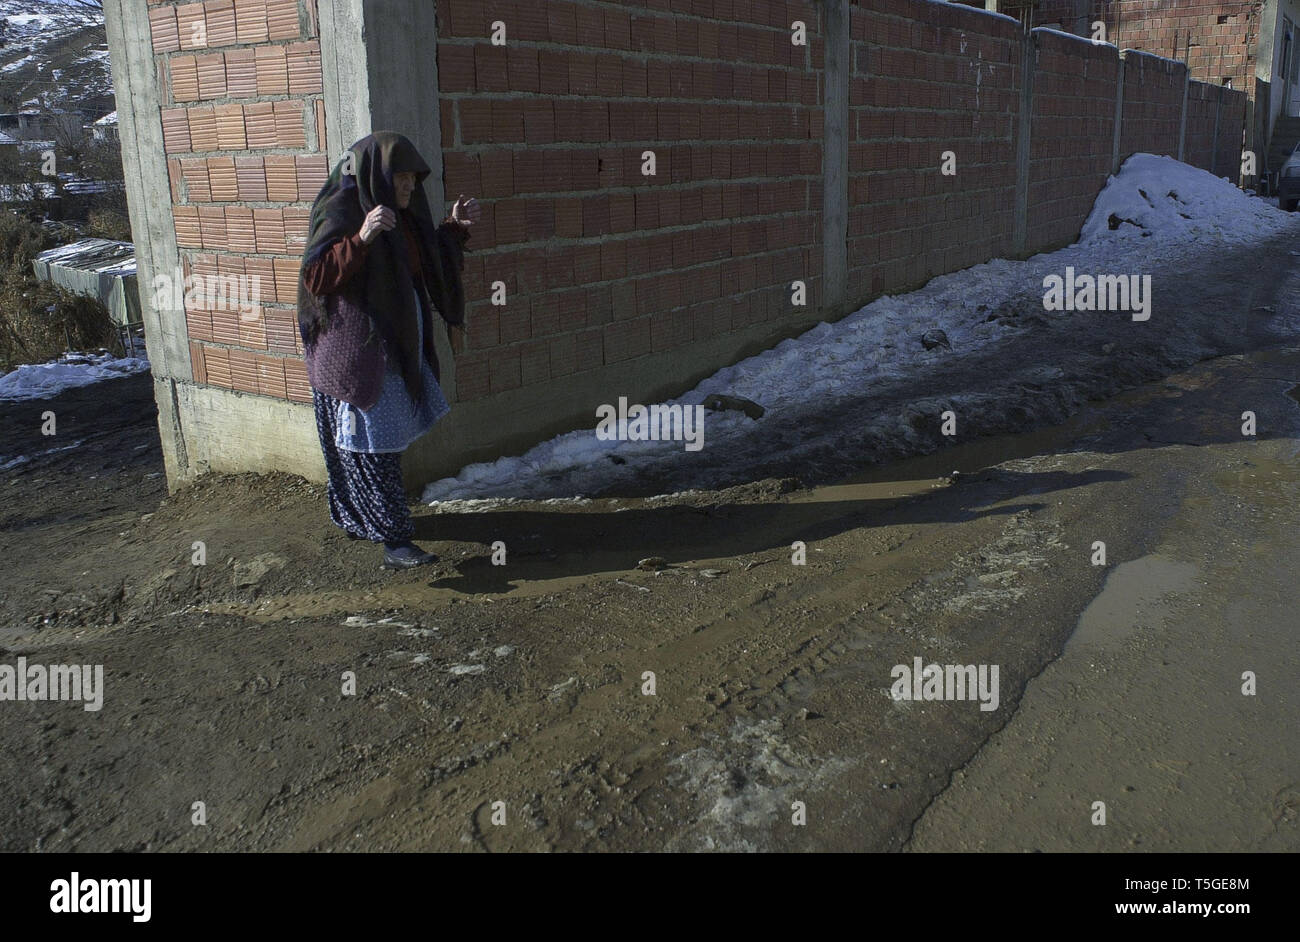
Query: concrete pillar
[[345, 85], [1182, 121], [1214, 151], [1028, 60], [144, 164], [1119, 113], [835, 158], [376, 77]]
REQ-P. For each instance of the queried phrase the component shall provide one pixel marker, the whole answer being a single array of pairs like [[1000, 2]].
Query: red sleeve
[[333, 269]]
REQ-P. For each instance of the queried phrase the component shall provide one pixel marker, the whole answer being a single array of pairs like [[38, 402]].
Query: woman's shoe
[[406, 555]]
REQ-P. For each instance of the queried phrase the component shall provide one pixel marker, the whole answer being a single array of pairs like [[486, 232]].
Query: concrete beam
[[345, 85], [1024, 130], [1182, 121], [374, 78], [1119, 114], [148, 196], [835, 158]]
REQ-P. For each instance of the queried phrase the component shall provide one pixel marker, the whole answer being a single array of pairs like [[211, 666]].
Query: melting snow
[[43, 380], [1166, 204]]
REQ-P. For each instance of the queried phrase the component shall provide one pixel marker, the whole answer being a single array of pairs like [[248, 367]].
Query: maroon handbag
[[346, 359]]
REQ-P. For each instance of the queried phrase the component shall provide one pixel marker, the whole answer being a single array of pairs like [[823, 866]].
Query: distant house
[[25, 124], [93, 104], [15, 188], [12, 189], [105, 129]]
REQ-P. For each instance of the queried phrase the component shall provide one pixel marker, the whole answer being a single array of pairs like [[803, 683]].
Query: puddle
[[910, 477], [898, 480], [876, 486], [1131, 599]]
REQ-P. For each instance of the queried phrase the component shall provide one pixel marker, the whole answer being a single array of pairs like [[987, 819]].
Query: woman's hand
[[380, 219], [466, 211]]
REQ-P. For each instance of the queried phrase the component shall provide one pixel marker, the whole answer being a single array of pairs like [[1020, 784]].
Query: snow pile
[[43, 380], [842, 381], [1158, 197], [828, 365]]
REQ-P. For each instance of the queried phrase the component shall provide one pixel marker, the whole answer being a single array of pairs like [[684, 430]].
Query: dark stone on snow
[[718, 403], [935, 338]]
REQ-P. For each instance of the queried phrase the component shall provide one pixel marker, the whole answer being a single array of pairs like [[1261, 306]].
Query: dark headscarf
[[383, 288]]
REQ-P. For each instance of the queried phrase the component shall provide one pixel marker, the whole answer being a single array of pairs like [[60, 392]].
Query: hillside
[[54, 58]]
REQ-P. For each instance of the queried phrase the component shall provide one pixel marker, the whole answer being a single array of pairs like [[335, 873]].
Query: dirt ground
[[524, 684]]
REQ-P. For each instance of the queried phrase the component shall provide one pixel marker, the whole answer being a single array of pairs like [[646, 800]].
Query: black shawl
[[384, 287]]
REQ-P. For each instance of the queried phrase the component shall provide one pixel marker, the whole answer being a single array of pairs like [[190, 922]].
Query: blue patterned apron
[[394, 422]]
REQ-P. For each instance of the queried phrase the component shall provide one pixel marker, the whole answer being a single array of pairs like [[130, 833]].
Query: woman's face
[[404, 186]]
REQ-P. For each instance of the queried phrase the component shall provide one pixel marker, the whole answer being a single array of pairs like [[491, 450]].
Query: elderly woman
[[374, 269]]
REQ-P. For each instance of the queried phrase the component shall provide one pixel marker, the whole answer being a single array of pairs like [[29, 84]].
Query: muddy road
[[525, 684]]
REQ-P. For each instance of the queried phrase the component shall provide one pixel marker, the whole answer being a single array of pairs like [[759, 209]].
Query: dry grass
[[38, 320], [108, 223]]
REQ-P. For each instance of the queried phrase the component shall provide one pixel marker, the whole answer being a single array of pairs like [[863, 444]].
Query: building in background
[[104, 129], [1241, 44], [26, 124]]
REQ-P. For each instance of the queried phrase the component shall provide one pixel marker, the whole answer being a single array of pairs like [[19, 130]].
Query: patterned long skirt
[[366, 496]]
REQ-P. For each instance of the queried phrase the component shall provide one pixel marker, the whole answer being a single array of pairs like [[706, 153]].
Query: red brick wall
[[1191, 31], [1202, 103], [600, 263], [928, 78], [243, 129], [1231, 121], [1072, 134], [1187, 30], [1153, 105]]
